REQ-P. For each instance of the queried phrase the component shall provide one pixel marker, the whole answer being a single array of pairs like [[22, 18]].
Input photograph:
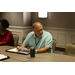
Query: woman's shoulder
[[8, 32]]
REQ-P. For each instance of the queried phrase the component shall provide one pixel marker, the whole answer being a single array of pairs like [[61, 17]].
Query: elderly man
[[39, 38]]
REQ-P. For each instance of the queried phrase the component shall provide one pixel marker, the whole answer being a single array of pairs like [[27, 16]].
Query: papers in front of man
[[13, 50], [2, 56], [22, 51]]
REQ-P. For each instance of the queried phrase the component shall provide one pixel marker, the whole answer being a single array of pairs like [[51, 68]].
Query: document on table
[[2, 56], [13, 50], [23, 50]]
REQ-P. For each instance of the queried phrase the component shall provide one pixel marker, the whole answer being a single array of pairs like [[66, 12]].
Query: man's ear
[[33, 30]]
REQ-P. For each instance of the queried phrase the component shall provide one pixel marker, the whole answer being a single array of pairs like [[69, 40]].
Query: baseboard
[[60, 49]]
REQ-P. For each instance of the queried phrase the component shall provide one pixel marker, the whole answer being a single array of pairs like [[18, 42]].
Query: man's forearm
[[45, 49], [22, 45]]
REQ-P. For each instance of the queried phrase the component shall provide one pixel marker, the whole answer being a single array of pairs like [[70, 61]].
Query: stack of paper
[[13, 50], [22, 51], [2, 56]]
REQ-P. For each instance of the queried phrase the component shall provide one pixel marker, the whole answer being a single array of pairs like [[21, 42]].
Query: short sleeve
[[48, 41], [26, 41]]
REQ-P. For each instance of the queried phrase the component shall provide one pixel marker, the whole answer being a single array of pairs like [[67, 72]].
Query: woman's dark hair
[[4, 23]]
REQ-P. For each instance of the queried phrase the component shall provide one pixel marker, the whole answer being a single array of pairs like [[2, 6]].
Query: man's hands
[[22, 47], [45, 49], [29, 50]]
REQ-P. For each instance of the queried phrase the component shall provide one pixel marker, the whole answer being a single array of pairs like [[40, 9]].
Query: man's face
[[38, 30]]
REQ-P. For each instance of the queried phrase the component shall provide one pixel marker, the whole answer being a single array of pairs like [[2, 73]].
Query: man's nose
[[40, 31]]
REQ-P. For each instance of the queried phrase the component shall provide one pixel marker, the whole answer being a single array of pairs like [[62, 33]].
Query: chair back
[[16, 38], [70, 49], [53, 45]]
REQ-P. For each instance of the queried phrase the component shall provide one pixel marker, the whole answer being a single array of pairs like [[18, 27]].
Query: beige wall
[[26, 18], [56, 19], [14, 18], [17, 18]]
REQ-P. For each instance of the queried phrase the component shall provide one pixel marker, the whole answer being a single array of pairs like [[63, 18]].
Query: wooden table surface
[[14, 57], [39, 57]]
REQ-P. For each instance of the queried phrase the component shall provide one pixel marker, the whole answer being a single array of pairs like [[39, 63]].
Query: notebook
[[3, 57], [15, 50]]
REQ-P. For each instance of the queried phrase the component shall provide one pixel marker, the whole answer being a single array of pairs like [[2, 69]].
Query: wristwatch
[[36, 51]]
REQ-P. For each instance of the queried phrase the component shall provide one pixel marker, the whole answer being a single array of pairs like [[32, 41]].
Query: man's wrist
[[35, 50]]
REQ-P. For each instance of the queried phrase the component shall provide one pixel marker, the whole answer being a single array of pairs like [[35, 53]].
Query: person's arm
[[42, 50], [25, 43], [7, 39], [22, 45], [48, 45]]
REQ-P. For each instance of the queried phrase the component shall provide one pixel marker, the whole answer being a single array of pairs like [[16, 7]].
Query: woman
[[6, 37]]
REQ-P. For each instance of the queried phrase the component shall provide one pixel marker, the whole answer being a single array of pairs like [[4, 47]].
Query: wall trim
[[52, 28], [68, 35], [20, 27], [62, 29]]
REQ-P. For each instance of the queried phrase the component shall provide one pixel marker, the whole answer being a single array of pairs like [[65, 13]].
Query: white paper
[[13, 50], [2, 56], [23, 50]]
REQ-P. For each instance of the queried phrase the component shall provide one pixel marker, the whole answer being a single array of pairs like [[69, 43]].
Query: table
[[39, 57], [52, 57], [14, 57]]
